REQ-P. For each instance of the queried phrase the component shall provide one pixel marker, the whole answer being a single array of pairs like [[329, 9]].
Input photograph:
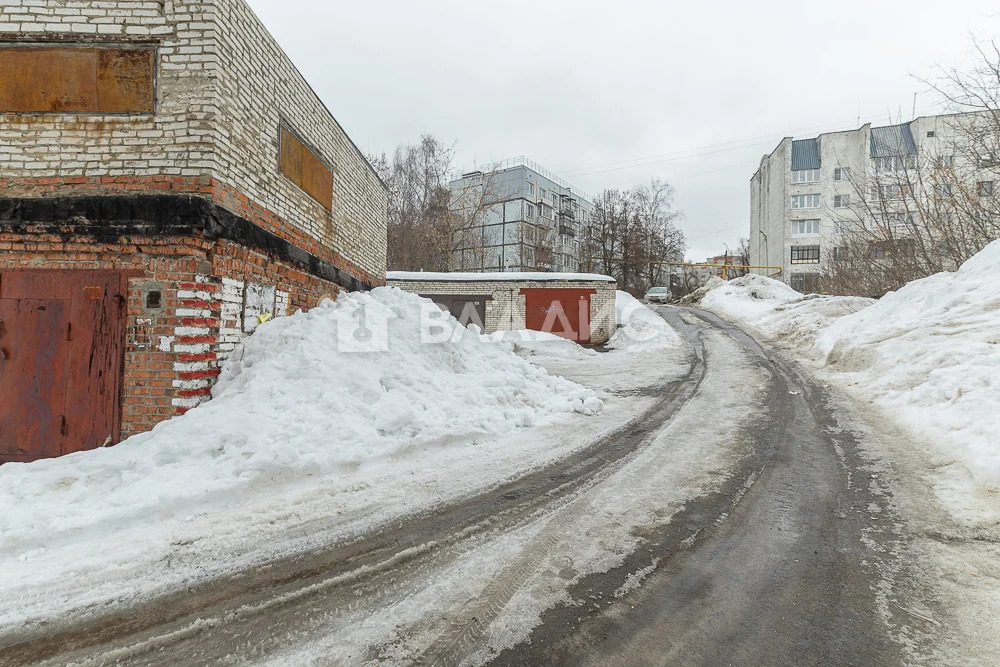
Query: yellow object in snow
[[263, 317]]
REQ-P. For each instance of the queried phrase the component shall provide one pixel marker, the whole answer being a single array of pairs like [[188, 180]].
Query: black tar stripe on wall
[[112, 218]]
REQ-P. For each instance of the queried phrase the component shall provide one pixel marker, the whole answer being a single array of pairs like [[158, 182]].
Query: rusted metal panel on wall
[[32, 369], [125, 80], [96, 339], [304, 168], [71, 370], [50, 79]]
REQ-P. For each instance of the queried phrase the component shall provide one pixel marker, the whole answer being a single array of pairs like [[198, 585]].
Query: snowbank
[[776, 311], [748, 297], [697, 295], [930, 354], [296, 404], [641, 328], [529, 343]]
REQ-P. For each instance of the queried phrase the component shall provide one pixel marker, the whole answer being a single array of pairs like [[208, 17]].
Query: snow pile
[[776, 311], [747, 298], [641, 328], [303, 401], [930, 353], [529, 343], [697, 295]]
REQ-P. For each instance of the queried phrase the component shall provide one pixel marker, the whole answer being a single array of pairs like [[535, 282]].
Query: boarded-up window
[[50, 79], [305, 169]]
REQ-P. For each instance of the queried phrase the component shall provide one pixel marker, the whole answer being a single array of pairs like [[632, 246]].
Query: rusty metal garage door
[[561, 311], [466, 308], [62, 335]]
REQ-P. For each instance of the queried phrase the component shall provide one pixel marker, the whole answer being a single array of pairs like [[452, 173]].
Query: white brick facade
[[223, 85]]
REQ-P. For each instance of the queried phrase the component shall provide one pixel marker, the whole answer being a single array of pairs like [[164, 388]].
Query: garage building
[[577, 306], [168, 180]]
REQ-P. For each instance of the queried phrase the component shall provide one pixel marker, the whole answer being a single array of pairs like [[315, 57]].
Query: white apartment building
[[804, 190], [532, 220]]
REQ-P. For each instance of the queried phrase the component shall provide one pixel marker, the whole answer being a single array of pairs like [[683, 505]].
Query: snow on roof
[[490, 277]]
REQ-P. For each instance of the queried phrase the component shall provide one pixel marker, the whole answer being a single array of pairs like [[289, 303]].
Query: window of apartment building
[[805, 227], [841, 174], [839, 254], [984, 188], [544, 194], [529, 211], [805, 282], [805, 176], [889, 192], [945, 161], [842, 227], [878, 251], [531, 188], [943, 190], [899, 221], [805, 254], [894, 163], [805, 201], [841, 201]]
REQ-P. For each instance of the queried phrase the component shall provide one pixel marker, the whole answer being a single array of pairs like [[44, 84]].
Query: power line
[[710, 149]]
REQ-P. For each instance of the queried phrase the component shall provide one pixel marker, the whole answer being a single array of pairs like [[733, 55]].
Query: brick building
[[578, 306], [168, 179]]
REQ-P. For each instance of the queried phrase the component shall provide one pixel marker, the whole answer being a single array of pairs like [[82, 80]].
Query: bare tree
[[428, 224], [631, 233], [912, 215]]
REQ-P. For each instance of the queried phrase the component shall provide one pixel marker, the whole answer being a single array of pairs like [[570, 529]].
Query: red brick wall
[[211, 188], [169, 362]]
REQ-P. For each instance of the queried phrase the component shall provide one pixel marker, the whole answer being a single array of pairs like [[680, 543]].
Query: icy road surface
[[741, 519]]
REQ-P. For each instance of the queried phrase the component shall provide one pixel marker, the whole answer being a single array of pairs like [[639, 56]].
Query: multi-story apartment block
[[805, 195], [520, 217]]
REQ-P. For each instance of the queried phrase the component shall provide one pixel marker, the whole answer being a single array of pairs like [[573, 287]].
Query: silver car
[[658, 295]]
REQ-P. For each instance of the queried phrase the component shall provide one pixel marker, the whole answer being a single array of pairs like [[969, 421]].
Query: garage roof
[[512, 276]]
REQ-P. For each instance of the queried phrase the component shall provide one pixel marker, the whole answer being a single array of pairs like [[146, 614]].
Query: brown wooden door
[[32, 378], [69, 362]]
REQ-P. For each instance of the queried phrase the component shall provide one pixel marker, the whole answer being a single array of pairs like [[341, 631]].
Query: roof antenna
[[914, 115]]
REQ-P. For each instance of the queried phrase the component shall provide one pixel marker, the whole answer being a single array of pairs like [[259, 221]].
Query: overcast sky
[[611, 94]]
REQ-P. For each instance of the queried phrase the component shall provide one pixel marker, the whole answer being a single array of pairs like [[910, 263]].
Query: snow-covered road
[[739, 513]]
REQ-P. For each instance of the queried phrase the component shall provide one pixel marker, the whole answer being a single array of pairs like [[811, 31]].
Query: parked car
[[658, 295]]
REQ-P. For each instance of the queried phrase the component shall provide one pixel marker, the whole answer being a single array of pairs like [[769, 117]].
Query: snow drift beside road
[[928, 356], [290, 406], [529, 343], [775, 310], [930, 353], [641, 328]]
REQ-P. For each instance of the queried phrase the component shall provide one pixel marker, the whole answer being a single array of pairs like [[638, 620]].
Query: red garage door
[[61, 340], [563, 312]]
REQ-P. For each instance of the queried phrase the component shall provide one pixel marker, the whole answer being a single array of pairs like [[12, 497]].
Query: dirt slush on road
[[792, 557]]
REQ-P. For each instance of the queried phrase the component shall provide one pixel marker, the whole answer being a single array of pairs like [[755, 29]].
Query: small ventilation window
[[153, 299]]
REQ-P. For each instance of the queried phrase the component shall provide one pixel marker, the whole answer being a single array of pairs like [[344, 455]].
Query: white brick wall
[[223, 85], [506, 312]]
